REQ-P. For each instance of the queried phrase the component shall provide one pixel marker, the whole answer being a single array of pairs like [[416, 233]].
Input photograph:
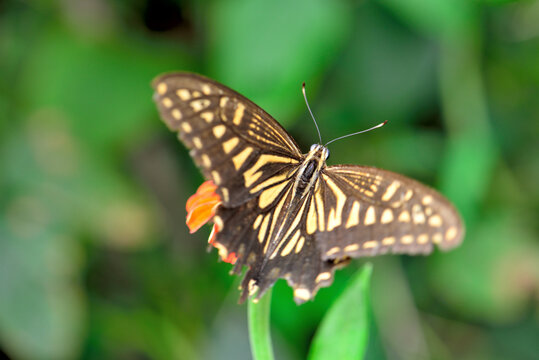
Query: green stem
[[259, 328]]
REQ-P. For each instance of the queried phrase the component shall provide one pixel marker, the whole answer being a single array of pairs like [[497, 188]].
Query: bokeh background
[[95, 259]]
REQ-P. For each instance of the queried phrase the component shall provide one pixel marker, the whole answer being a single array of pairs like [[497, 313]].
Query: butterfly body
[[288, 215]]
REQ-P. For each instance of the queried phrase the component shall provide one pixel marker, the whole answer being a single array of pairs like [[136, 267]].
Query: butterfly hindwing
[[234, 142], [274, 244]]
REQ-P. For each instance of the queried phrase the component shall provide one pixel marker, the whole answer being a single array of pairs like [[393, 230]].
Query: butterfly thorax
[[309, 170]]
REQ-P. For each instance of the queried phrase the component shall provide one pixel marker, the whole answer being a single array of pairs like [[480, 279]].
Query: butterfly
[[285, 214]]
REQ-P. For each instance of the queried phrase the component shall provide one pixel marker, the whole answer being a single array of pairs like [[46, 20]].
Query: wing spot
[[207, 116], [333, 251], [275, 214], [435, 220], [374, 187], [370, 216], [323, 276], [216, 177], [417, 214], [387, 216], [186, 127], [250, 179], [404, 216], [267, 197], [427, 199], [199, 105], [238, 114], [263, 228], [206, 89], [299, 246], [218, 221], [229, 145], [451, 233], [370, 244], [167, 102], [226, 196], [223, 101], [176, 114], [183, 94], [352, 247], [311, 218], [252, 287], [291, 244], [302, 294], [296, 221], [368, 193], [333, 221], [407, 239], [196, 94], [320, 210], [428, 211], [257, 222], [437, 238], [197, 142], [162, 88], [390, 191], [335, 217], [253, 173], [422, 238], [206, 160], [240, 159], [219, 131], [390, 240], [353, 218], [223, 252], [408, 195]]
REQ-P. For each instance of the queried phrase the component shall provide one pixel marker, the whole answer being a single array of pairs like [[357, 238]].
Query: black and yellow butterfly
[[286, 214]]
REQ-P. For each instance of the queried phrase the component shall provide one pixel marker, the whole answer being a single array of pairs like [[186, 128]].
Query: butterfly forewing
[[234, 142]]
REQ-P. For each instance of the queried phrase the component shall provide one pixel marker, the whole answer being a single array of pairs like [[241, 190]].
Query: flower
[[201, 208]]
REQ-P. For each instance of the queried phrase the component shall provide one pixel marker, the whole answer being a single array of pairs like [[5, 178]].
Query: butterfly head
[[313, 163], [319, 151]]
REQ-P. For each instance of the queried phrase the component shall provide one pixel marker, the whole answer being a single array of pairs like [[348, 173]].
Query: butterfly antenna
[[308, 107], [359, 132]]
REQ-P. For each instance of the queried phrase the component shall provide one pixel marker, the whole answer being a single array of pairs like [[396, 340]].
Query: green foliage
[[95, 259], [344, 330], [259, 328]]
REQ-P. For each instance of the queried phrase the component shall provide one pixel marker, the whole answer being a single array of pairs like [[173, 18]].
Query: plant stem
[[259, 327]]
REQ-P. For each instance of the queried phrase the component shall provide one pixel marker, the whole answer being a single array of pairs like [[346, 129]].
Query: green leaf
[[259, 328], [343, 333], [437, 17], [266, 49]]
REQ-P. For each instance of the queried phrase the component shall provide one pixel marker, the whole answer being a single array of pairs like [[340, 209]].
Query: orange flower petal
[[201, 206], [205, 190], [200, 209]]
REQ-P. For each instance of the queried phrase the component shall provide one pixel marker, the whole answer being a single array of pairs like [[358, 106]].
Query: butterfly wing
[[274, 244], [236, 144], [353, 211], [369, 211]]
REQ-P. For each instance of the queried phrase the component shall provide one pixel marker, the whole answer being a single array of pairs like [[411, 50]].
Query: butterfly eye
[[327, 152], [313, 146]]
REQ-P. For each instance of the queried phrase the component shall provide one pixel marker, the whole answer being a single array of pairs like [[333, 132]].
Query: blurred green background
[[95, 259]]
